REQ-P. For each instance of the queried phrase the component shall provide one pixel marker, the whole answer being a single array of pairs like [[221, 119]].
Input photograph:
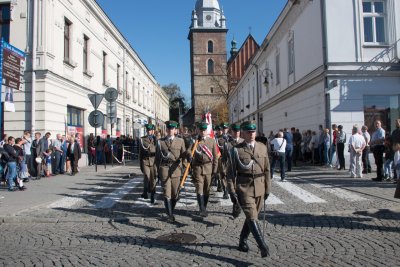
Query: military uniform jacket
[[202, 160], [169, 157], [147, 150], [251, 169]]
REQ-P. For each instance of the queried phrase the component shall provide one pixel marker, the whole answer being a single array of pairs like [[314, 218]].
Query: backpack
[[4, 155]]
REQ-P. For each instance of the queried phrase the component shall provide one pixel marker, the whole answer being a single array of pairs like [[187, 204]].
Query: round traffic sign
[[96, 118], [111, 94]]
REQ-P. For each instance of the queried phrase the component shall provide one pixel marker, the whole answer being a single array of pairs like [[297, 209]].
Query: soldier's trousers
[[251, 206], [170, 187], [149, 179], [202, 183]]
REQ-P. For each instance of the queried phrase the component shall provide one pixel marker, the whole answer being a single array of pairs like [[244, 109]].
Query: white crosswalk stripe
[[300, 193], [295, 187]]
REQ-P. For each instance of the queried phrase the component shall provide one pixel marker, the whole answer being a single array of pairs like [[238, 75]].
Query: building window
[[5, 22], [118, 72], [134, 91], [278, 74], [374, 19], [85, 53], [385, 108], [210, 66], [211, 90], [126, 85], [67, 40], [291, 55], [75, 116], [104, 68], [210, 47]]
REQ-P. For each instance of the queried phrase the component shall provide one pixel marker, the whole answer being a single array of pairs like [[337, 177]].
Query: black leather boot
[[206, 197], [236, 210], [256, 231], [152, 200], [243, 246], [225, 196], [202, 208], [145, 189], [219, 187], [173, 203], [168, 206]]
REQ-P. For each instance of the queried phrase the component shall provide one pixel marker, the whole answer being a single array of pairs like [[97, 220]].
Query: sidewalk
[[47, 190]]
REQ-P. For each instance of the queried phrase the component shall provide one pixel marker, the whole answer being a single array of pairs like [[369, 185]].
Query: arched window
[[210, 47], [210, 66]]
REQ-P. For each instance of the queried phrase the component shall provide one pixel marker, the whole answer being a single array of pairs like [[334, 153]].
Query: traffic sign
[[96, 118], [111, 94], [12, 64], [95, 99]]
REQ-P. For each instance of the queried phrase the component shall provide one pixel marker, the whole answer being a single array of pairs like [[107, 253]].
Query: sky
[[158, 30]]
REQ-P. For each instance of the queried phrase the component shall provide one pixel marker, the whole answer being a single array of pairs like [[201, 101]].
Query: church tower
[[208, 57]]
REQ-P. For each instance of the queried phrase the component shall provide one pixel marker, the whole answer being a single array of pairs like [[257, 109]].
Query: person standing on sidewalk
[[91, 149], [340, 141], [250, 169], [27, 144], [170, 152], [365, 155], [333, 146], [204, 166], [356, 147], [57, 154], [74, 154], [378, 147], [288, 136], [297, 138], [396, 141], [41, 148], [147, 156], [11, 163]]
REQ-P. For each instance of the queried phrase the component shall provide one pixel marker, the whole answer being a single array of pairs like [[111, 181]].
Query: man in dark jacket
[[74, 153], [11, 162]]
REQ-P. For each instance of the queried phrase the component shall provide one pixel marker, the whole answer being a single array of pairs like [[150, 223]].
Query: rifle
[[182, 184]]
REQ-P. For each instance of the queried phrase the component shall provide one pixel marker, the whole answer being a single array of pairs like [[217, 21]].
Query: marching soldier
[[169, 155], [233, 141], [222, 141], [147, 154], [204, 166], [250, 168]]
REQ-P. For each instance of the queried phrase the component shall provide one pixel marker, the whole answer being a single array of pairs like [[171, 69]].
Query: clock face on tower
[[208, 17]]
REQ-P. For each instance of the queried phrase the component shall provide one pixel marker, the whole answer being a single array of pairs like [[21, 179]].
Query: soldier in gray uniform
[[204, 166], [147, 155], [169, 155], [250, 167], [234, 140]]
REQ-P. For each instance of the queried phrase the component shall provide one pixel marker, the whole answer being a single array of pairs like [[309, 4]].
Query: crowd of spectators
[[27, 158], [326, 147]]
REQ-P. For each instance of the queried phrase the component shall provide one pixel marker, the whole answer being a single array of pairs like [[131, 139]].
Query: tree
[[177, 103]]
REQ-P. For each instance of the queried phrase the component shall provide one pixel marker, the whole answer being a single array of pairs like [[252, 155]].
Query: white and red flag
[[210, 130]]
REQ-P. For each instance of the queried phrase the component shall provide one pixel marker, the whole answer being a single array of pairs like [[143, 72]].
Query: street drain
[[177, 238]]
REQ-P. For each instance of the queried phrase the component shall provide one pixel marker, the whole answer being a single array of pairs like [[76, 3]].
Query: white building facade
[[73, 49], [325, 62]]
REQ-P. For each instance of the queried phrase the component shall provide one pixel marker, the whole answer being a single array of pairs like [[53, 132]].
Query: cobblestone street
[[332, 229]]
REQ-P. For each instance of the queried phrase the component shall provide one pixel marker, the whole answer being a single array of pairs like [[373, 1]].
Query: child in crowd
[[48, 162], [389, 155]]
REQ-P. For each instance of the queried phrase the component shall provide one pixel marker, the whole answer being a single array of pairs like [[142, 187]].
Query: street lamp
[[267, 73]]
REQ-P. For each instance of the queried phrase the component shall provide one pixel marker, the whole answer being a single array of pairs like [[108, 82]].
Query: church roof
[[207, 4]]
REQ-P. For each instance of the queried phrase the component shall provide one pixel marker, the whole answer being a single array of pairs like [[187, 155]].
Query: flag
[[210, 130]]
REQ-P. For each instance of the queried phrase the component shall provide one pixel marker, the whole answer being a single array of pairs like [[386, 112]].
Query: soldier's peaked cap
[[235, 127], [149, 126], [224, 125], [249, 126], [171, 124], [202, 125]]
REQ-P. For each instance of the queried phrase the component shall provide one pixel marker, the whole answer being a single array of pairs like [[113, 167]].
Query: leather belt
[[250, 175]]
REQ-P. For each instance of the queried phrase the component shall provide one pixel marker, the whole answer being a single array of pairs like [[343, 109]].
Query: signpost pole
[[95, 133]]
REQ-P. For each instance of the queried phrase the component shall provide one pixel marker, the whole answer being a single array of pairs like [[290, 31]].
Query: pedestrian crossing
[[284, 193]]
